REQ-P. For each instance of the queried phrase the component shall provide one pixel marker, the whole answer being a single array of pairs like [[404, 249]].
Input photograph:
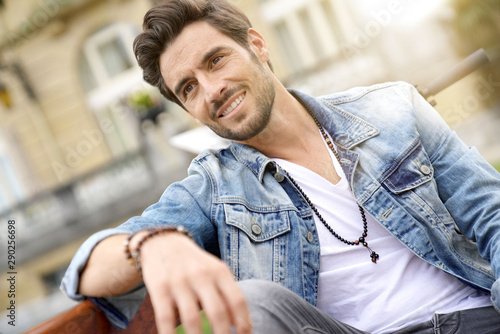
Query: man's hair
[[163, 23]]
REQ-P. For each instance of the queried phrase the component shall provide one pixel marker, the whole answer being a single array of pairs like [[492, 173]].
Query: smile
[[233, 105]]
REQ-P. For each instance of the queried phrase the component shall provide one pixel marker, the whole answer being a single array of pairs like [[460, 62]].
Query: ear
[[258, 45]]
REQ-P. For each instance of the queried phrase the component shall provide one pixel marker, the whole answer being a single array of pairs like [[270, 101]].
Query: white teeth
[[233, 105]]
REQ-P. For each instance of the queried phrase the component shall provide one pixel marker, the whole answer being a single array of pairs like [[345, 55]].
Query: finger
[[236, 304], [189, 310], [215, 308], [164, 311]]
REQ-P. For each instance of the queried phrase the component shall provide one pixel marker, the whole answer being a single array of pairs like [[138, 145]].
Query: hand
[[180, 276]]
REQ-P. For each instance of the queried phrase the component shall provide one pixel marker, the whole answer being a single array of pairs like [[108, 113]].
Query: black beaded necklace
[[361, 240]]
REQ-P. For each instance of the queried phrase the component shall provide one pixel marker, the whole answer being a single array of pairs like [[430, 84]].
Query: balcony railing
[[91, 202]]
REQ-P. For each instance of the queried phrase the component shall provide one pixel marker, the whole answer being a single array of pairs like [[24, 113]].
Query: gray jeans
[[277, 310]]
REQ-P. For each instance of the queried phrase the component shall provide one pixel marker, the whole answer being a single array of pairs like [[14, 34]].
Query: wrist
[[130, 244], [135, 238], [134, 242]]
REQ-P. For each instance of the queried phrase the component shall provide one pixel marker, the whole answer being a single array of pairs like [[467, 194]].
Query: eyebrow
[[205, 58]]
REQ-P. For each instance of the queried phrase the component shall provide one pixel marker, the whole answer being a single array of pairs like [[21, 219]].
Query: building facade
[[84, 142]]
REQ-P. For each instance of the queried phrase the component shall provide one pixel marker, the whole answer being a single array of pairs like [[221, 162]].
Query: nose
[[214, 89]]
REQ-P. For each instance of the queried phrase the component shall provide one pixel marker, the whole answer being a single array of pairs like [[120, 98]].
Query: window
[[307, 32], [109, 72], [333, 23], [313, 36], [107, 55], [287, 44], [114, 57]]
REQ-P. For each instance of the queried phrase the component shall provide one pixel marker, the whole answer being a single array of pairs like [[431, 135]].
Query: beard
[[256, 120]]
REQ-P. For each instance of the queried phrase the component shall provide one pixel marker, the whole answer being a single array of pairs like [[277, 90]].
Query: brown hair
[[163, 23]]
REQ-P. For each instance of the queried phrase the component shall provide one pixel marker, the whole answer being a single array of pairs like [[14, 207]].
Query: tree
[[477, 25]]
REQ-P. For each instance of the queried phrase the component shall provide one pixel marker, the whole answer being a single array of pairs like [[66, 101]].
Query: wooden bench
[[86, 317]]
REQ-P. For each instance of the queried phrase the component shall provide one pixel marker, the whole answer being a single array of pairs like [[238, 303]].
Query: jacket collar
[[346, 130], [250, 157]]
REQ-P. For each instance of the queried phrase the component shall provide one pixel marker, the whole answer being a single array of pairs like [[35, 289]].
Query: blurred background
[[85, 143]]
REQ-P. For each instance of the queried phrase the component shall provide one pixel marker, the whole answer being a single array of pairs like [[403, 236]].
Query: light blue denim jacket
[[406, 168]]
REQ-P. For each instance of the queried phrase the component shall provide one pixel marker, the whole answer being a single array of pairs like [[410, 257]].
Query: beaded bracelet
[[126, 245], [135, 256]]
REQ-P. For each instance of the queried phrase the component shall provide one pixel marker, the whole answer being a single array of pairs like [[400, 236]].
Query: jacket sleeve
[[467, 184], [184, 203]]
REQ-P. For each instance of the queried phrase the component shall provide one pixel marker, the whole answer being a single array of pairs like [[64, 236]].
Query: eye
[[188, 88], [216, 60]]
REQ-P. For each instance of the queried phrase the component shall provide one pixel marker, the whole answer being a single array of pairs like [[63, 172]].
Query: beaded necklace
[[361, 240]]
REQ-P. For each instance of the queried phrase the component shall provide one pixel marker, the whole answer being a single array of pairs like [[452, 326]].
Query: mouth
[[233, 105]]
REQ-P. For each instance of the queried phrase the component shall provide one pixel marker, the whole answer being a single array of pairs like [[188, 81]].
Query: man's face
[[221, 83]]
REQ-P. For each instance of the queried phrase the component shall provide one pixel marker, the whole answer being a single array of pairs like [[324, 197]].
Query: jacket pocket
[[410, 180], [259, 225], [257, 242], [412, 169]]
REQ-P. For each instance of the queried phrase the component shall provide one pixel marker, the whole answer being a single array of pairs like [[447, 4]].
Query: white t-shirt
[[400, 290]]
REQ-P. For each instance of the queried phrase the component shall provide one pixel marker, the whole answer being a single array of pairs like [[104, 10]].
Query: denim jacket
[[406, 168]]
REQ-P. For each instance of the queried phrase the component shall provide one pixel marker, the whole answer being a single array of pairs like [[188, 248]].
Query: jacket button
[[279, 177], [425, 169], [256, 229], [310, 236]]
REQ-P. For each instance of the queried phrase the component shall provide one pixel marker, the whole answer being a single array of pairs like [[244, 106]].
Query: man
[[363, 204]]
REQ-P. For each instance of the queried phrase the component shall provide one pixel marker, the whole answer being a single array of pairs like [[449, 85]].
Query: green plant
[[497, 166], [477, 25], [142, 100], [205, 326]]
